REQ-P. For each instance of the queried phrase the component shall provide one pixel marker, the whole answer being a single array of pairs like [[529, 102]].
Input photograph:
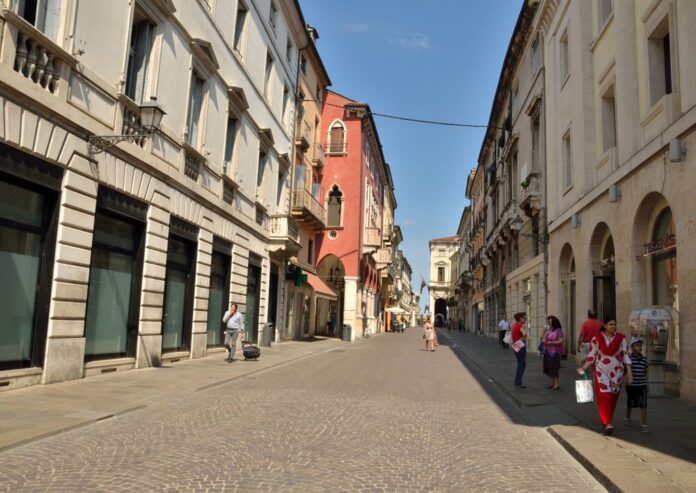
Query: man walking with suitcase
[[235, 324]]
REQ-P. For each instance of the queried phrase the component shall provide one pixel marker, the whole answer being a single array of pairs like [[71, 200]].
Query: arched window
[[337, 138], [334, 210], [664, 260]]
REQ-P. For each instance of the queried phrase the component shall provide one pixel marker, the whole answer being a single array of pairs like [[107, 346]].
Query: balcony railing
[[192, 164], [36, 57], [304, 135], [283, 226], [372, 238], [306, 208], [319, 157], [383, 257], [132, 123]]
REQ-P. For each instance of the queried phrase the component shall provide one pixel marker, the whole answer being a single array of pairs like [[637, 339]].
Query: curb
[[602, 478]]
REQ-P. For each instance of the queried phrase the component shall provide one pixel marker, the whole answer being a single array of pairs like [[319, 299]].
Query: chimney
[[313, 33]]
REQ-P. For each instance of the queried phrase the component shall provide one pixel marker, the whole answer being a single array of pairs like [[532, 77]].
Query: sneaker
[[644, 428], [608, 430], [627, 422]]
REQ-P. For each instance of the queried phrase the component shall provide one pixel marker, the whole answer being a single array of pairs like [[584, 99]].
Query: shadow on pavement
[[669, 449]]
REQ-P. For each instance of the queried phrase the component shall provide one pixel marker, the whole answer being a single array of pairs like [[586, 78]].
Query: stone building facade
[[440, 284], [125, 254]]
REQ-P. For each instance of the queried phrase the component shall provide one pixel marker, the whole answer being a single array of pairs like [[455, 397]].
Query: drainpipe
[[544, 207]]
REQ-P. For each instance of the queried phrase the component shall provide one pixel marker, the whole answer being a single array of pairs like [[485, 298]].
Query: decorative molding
[[203, 51]]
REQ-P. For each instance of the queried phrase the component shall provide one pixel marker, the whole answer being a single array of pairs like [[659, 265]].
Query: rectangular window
[[267, 77], [230, 138], [218, 297], [567, 162], [279, 191], [25, 256], [535, 234], [605, 8], [288, 51], [660, 62], [536, 54], [239, 26], [111, 323], [286, 100], [515, 100], [195, 108], [263, 157], [564, 61], [43, 14], [139, 56], [178, 293], [608, 120], [536, 149], [273, 16], [440, 274], [310, 252], [303, 64]]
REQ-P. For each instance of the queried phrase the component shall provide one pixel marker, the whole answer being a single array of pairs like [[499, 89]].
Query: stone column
[[350, 304], [65, 344], [149, 350], [204, 258]]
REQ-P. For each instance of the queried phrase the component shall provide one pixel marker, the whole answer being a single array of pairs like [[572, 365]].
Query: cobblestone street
[[378, 415]]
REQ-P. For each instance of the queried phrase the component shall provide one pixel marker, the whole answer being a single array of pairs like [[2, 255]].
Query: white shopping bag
[[584, 391]]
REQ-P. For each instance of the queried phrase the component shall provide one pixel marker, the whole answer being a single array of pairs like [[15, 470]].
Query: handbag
[[507, 338], [584, 390]]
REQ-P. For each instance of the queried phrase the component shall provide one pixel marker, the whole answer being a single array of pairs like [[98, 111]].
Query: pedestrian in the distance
[[638, 390], [553, 347], [235, 324], [589, 328], [519, 344], [429, 334], [503, 327], [608, 354]]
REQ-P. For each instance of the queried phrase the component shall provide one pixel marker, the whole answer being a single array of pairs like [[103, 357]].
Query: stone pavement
[[377, 415], [35, 412], [662, 460]]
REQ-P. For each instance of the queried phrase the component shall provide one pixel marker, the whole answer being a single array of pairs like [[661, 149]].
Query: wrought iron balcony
[[305, 208]]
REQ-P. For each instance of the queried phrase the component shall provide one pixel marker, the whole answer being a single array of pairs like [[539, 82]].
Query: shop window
[[179, 287], [664, 260], [111, 324], [218, 298], [27, 232]]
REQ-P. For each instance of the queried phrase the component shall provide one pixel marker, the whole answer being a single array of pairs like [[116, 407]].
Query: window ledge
[[603, 29], [567, 190], [565, 81]]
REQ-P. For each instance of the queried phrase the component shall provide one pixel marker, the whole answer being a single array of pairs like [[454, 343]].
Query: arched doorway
[[440, 312], [331, 270], [603, 260], [568, 296]]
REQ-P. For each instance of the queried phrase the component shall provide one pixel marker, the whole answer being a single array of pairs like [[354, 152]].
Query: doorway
[[251, 317]]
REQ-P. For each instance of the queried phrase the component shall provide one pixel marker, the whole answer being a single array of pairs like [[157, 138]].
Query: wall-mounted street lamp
[[151, 114], [516, 226]]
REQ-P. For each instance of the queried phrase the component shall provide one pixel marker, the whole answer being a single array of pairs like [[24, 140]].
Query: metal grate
[[228, 193]]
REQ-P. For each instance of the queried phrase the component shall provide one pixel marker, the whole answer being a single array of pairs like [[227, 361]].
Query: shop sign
[[660, 245]]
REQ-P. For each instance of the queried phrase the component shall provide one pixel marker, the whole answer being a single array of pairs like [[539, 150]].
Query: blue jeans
[[521, 356]]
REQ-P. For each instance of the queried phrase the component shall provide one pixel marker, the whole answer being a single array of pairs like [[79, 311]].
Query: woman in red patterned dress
[[608, 354]]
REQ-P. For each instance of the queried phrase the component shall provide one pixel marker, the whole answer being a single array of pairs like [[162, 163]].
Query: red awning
[[320, 287]]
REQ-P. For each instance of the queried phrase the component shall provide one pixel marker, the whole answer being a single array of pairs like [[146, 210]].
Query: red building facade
[[353, 181]]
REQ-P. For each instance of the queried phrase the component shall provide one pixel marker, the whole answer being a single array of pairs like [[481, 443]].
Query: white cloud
[[409, 222], [405, 39]]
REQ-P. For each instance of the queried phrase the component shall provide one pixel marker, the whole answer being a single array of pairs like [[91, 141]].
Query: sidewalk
[[662, 460], [36, 412]]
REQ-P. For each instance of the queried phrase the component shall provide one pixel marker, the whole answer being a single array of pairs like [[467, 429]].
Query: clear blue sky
[[434, 60]]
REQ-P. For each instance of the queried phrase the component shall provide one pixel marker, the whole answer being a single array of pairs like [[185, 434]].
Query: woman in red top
[[519, 334]]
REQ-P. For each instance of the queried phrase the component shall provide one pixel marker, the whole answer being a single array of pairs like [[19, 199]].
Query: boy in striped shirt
[[638, 390]]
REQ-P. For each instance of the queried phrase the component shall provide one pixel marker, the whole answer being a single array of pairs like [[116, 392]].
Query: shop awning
[[320, 287]]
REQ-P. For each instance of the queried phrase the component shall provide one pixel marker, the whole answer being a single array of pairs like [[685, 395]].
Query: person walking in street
[[608, 354], [235, 323], [429, 334], [553, 347], [589, 328], [638, 390], [503, 327], [519, 344]]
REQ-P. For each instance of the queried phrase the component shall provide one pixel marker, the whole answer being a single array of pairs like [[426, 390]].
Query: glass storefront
[[114, 286], [27, 218], [218, 300], [251, 317], [178, 291]]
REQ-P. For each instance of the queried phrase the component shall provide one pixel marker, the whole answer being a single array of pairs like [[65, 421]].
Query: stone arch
[[332, 271], [644, 223], [568, 296], [602, 260], [440, 311]]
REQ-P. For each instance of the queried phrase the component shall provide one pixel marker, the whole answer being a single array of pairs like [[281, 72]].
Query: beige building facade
[[127, 237], [620, 128], [440, 283]]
